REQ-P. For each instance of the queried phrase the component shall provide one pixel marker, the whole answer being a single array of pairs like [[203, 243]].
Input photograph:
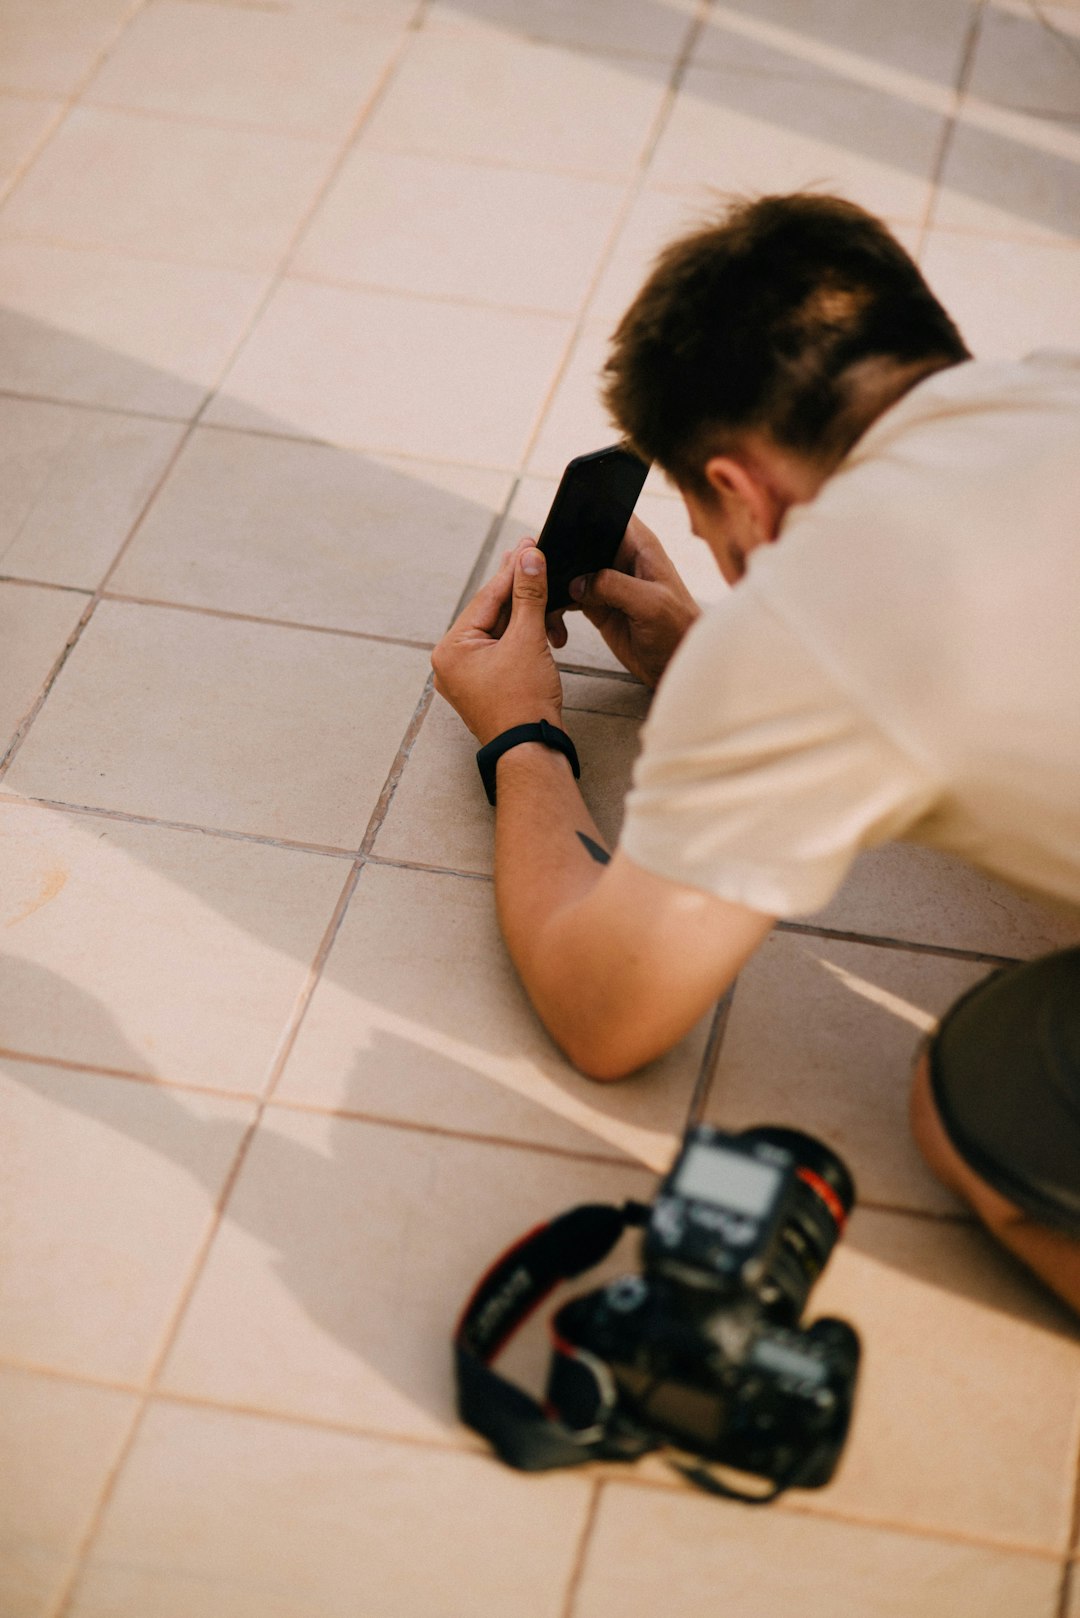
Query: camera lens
[[825, 1192]]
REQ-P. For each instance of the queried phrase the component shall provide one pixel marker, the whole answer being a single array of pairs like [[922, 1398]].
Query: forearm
[[548, 851], [590, 981]]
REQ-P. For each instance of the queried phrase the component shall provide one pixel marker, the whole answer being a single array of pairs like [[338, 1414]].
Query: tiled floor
[[301, 305]]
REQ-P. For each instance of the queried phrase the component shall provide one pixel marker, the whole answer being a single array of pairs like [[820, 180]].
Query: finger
[[612, 589], [556, 629], [530, 593]]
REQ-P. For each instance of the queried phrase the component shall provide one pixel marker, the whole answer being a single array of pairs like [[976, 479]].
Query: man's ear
[[743, 495]]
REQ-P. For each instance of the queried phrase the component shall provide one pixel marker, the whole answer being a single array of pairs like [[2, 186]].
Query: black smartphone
[[588, 516]]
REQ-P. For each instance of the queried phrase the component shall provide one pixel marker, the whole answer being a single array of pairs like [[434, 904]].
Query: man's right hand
[[641, 606]]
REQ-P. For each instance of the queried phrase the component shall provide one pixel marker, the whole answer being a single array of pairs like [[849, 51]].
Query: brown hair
[[756, 321]]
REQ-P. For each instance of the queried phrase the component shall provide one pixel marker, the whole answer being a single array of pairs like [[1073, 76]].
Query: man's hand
[[641, 606], [494, 664]]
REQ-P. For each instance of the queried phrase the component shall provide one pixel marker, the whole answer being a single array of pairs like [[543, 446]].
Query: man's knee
[[995, 1111]]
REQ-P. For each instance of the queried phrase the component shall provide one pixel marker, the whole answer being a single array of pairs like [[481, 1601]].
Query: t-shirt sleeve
[[760, 778]]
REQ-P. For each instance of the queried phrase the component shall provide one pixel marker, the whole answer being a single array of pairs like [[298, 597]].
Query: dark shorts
[[1005, 1075]]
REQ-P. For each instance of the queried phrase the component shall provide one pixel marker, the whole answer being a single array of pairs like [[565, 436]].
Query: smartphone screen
[[588, 517]]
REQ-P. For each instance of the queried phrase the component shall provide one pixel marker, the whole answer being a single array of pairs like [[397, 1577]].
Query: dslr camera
[[702, 1352]]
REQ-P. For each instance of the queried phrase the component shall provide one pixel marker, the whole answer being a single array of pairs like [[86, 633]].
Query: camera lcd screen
[[729, 1179]]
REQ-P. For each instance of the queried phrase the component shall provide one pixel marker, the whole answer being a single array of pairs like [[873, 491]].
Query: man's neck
[[874, 386]]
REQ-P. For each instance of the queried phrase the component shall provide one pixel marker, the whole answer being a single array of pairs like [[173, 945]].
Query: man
[[903, 664]]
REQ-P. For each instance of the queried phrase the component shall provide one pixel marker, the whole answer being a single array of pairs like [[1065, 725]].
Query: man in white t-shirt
[[903, 664]]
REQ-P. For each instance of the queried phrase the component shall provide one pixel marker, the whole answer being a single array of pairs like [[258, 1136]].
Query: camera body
[[704, 1347]]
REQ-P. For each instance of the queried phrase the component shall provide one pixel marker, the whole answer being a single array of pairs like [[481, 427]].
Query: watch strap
[[549, 735]]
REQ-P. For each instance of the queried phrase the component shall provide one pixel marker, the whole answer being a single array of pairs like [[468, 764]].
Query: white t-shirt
[[904, 662]]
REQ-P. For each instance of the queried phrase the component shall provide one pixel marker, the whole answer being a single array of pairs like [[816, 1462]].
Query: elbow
[[604, 1060]]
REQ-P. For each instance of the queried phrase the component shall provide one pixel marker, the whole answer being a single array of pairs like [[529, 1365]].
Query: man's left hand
[[494, 664]]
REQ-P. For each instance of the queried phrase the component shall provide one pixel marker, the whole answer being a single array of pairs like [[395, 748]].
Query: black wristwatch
[[550, 735]]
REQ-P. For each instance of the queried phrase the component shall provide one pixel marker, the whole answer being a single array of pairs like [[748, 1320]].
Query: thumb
[[530, 590]]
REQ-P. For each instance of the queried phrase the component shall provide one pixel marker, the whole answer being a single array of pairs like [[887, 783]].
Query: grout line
[[128, 1075], [62, 1605], [24, 728], [822, 1512], [269, 1099], [581, 1550], [385, 1121], [634, 183], [126, 818], [623, 676], [314, 974], [19, 173], [939, 1216], [86, 404], [318, 278], [411, 457], [67, 104], [949, 128], [232, 616], [880, 941], [604, 1473], [391, 863], [473, 1136], [46, 584], [37, 703], [711, 1057], [227, 126], [380, 89], [390, 786], [1070, 1576]]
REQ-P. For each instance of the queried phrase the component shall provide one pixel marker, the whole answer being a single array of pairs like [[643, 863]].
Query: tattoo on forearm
[[600, 855]]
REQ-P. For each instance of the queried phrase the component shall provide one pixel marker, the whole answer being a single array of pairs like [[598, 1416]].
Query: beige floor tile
[[314, 535], [821, 1035], [988, 288], [233, 198], [305, 72], [575, 421], [57, 1445], [464, 98], [348, 1251], [155, 951], [345, 365], [102, 329], [221, 1515], [421, 1018], [440, 816], [72, 482], [461, 230], [806, 37], [49, 46], [637, 27], [593, 693], [649, 1553], [108, 1189], [34, 629], [1030, 59], [968, 1413], [1008, 174], [24, 124], [656, 218], [239, 726], [755, 132], [921, 896]]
